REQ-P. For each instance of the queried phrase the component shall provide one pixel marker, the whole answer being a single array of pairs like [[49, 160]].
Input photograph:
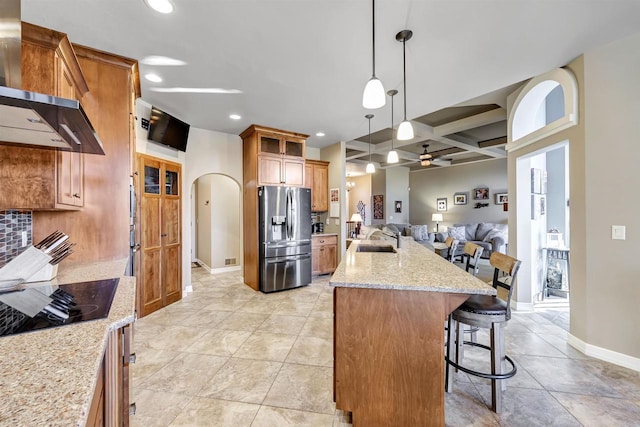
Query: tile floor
[[228, 356]]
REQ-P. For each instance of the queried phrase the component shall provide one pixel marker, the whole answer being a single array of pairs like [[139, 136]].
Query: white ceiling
[[302, 64]]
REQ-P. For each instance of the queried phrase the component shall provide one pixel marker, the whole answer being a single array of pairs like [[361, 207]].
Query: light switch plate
[[618, 232]]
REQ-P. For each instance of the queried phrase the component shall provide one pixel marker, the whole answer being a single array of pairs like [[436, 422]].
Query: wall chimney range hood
[[30, 118]]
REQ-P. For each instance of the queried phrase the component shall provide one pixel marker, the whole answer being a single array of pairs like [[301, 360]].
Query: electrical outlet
[[25, 239], [618, 232]]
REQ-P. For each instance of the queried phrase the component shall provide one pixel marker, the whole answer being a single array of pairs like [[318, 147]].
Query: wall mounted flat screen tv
[[168, 130]]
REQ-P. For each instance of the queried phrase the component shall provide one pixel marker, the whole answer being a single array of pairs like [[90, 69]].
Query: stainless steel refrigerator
[[284, 237]]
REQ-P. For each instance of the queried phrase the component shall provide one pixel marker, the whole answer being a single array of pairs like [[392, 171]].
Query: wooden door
[[150, 295], [171, 241], [320, 189]]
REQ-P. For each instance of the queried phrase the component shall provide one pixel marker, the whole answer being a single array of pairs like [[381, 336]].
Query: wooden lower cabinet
[[324, 250], [110, 405]]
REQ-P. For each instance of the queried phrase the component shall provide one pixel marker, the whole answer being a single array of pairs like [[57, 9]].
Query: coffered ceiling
[[301, 65]]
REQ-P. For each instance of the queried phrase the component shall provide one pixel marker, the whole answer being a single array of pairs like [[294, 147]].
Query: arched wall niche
[[527, 122]]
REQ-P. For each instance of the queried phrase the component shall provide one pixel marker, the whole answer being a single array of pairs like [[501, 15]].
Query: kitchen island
[[53, 376], [389, 315]]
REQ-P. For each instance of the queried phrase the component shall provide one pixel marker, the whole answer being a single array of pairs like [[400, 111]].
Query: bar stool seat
[[485, 311]]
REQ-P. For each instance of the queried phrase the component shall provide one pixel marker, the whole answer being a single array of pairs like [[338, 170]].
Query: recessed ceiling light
[[194, 90], [235, 116], [153, 77], [162, 6], [319, 133], [161, 60]]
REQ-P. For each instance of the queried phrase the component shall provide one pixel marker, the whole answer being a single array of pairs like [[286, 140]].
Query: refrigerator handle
[[294, 213], [289, 219]]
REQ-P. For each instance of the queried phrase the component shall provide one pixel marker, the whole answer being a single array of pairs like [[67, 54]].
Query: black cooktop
[[71, 303]]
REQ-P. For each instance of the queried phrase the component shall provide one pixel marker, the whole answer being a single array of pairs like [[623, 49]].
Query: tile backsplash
[[12, 224]]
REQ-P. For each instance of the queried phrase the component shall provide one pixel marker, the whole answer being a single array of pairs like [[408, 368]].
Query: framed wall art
[[398, 205], [334, 202], [501, 198], [481, 193], [460, 198], [378, 206], [442, 204]]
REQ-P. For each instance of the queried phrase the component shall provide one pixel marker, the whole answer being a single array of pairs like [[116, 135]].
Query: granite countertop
[[48, 377], [323, 234], [412, 267]]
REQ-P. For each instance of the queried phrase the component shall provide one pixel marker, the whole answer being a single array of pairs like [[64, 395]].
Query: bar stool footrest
[[504, 376]]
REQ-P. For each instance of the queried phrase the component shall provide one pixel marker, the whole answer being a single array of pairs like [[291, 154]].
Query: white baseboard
[[203, 265], [224, 269], [188, 289], [604, 354], [521, 306]]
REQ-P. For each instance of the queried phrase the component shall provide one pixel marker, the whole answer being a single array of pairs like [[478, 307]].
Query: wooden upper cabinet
[[278, 156], [317, 179], [43, 179]]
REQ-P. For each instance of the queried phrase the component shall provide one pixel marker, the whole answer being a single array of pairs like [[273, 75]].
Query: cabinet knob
[[76, 195], [163, 235], [321, 241]]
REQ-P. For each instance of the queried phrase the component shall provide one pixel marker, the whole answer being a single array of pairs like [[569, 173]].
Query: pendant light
[[370, 167], [405, 130], [392, 157], [373, 96]]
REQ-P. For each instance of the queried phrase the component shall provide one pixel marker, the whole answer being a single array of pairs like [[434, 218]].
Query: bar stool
[[491, 312], [472, 253], [452, 245]]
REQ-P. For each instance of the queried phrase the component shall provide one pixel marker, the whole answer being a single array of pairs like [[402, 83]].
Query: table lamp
[[436, 218]]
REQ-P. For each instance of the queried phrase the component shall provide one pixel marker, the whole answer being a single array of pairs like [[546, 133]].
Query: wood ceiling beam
[[471, 122], [493, 142]]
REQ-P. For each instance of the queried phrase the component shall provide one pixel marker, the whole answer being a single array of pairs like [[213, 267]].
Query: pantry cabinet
[[316, 177], [160, 234]]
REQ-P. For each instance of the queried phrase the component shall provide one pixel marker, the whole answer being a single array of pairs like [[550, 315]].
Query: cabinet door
[[328, 259], [171, 250], [293, 147], [320, 188], [269, 144], [315, 260], [270, 170], [308, 179], [293, 172]]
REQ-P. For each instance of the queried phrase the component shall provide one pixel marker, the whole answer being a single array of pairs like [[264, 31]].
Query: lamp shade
[[405, 131], [436, 217], [392, 157], [374, 95], [356, 217], [370, 168]]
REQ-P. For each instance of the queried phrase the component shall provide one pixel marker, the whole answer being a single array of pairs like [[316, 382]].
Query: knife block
[[32, 265]]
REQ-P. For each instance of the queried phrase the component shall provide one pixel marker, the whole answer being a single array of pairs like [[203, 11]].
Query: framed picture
[[334, 202], [378, 206], [538, 206], [398, 204], [481, 193], [538, 181], [502, 198], [442, 204], [460, 198]]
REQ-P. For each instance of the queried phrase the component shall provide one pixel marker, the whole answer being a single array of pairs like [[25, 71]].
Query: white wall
[[203, 220], [430, 184]]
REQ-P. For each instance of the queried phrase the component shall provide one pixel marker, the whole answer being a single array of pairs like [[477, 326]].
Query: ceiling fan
[[427, 159]]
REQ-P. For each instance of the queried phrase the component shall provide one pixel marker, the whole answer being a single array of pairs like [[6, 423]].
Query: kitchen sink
[[375, 248]]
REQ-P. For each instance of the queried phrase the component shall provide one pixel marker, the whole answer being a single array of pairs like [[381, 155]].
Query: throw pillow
[[419, 232], [490, 235], [457, 233], [483, 230]]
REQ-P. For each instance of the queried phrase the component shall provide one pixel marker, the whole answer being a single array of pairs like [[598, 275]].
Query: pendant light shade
[[373, 96], [370, 167], [405, 131], [392, 157]]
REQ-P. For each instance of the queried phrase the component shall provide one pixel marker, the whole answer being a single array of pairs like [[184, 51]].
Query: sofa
[[420, 233], [491, 237]]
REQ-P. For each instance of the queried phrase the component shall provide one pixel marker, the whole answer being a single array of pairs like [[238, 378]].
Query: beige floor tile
[[312, 351], [174, 338], [600, 411], [293, 308], [226, 303], [219, 342], [303, 387], [291, 325], [206, 319], [266, 346], [186, 374], [242, 380], [280, 417], [156, 408], [258, 305], [202, 411], [240, 321], [318, 327], [148, 362]]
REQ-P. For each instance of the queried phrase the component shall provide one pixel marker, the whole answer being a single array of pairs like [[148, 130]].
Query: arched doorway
[[216, 223]]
